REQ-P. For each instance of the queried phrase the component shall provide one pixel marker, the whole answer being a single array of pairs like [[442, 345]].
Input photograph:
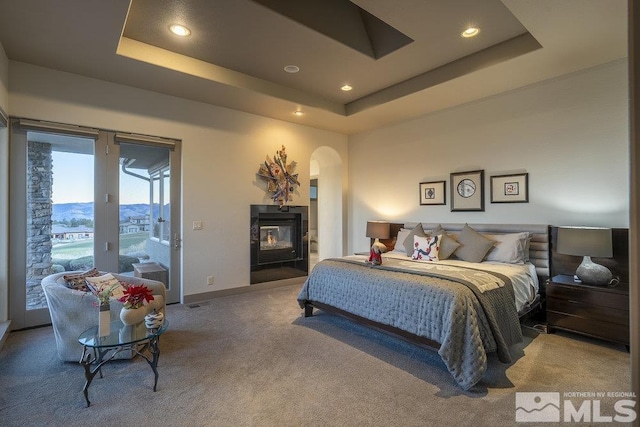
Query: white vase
[[104, 320], [133, 316]]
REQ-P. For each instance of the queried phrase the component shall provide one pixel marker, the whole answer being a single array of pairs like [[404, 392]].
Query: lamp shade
[[378, 229], [585, 241]]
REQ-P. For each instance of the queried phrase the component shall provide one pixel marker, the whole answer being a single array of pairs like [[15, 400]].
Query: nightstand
[[596, 311]]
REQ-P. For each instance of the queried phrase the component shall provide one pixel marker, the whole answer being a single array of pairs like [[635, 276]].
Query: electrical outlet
[[197, 225], [210, 280]]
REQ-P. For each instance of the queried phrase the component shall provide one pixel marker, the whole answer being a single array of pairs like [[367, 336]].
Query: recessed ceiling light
[[179, 30], [470, 32], [346, 88], [292, 69], [298, 113]]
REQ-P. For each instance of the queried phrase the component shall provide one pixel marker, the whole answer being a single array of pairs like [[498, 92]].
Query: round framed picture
[[467, 191], [466, 188]]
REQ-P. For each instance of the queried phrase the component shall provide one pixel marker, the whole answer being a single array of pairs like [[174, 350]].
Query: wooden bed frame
[[539, 256]]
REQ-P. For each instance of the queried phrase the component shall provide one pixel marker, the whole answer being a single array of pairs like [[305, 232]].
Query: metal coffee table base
[[97, 351], [88, 360]]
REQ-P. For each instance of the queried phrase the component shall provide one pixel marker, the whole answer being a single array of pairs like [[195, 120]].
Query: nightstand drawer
[[595, 328], [585, 310], [592, 296]]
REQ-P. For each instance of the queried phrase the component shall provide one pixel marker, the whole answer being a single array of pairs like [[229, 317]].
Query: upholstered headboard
[[539, 254]]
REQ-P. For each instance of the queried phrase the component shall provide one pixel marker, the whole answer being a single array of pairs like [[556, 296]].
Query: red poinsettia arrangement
[[135, 296]]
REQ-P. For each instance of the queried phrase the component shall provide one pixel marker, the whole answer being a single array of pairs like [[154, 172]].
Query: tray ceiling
[[402, 58]]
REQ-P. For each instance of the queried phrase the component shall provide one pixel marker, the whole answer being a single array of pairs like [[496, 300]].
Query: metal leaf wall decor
[[279, 176]]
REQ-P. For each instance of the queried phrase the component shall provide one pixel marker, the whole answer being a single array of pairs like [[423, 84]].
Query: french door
[[82, 197]]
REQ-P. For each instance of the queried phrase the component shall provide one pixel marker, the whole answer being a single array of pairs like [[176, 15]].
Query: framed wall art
[[467, 191], [510, 188], [433, 193]]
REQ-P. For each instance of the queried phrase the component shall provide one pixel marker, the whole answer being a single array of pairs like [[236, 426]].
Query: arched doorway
[[326, 171]]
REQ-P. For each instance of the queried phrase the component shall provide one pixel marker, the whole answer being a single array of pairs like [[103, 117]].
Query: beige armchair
[[73, 312]]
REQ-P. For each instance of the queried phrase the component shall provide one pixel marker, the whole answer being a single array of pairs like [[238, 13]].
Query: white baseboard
[[190, 299]]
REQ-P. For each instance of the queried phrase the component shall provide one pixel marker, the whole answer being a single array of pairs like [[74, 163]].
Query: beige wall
[[571, 134], [221, 153], [4, 166]]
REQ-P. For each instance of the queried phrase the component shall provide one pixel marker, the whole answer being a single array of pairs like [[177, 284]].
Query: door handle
[[176, 241]]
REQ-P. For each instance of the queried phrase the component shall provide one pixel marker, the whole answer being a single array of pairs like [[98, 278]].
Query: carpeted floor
[[252, 360]]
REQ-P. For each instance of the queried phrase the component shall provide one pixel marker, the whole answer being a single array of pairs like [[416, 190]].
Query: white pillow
[[426, 248], [100, 283], [402, 235], [509, 248]]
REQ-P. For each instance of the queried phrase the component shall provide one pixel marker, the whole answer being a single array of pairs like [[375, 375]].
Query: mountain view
[[68, 211]]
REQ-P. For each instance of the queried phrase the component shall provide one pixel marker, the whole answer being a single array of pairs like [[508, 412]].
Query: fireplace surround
[[279, 248]]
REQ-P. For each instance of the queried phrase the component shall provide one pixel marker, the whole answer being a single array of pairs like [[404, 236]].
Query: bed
[[463, 306]]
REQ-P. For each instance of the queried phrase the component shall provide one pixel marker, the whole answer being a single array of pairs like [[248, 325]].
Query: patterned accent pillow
[[77, 281], [408, 241], [426, 248], [106, 281], [448, 244]]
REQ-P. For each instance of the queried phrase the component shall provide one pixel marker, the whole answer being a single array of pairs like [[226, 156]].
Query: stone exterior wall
[[39, 210]]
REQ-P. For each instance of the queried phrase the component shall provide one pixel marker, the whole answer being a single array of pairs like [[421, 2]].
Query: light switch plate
[[197, 225]]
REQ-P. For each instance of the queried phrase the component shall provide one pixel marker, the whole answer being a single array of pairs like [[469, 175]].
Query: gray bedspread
[[468, 320]]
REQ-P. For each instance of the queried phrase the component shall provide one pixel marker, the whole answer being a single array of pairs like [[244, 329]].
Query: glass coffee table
[[96, 351]]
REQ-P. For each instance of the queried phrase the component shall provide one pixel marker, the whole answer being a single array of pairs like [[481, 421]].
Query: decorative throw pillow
[[448, 245], [77, 281], [425, 248], [508, 248], [437, 230], [408, 241], [100, 283], [473, 245], [402, 235]]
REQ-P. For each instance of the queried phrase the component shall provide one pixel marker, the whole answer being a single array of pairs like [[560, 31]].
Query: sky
[[73, 181]]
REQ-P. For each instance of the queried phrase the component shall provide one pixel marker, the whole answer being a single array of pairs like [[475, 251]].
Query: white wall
[[4, 183], [571, 134], [331, 179], [221, 153]]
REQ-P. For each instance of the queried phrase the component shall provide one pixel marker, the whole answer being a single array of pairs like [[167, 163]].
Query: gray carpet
[[252, 360]]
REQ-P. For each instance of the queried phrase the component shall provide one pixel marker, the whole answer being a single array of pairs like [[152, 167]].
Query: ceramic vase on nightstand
[[104, 320]]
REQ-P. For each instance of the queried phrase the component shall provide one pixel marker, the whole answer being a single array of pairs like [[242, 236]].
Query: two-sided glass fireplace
[[279, 248]]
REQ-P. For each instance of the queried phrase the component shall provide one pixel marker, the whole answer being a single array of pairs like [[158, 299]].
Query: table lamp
[[378, 230], [587, 242]]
